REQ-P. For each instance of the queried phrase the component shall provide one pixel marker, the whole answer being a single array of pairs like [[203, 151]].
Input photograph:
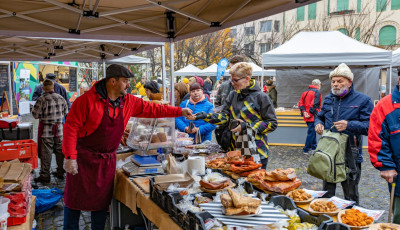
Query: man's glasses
[[236, 80]]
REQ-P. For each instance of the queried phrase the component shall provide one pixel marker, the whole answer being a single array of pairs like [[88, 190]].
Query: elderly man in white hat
[[347, 111]]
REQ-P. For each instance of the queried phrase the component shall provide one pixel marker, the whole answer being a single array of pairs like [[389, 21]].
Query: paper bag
[[172, 167]]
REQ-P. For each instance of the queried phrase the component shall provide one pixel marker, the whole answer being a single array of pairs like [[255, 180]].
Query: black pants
[[350, 187], [264, 162], [71, 219]]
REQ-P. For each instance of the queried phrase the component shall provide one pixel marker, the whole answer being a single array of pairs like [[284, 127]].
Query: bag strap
[[18, 133], [350, 161]]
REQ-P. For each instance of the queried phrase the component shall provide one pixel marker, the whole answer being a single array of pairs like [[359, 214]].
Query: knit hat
[[342, 71], [200, 81], [185, 80], [51, 76]]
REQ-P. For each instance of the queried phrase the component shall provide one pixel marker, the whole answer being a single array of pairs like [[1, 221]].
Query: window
[[266, 26], [277, 25], [328, 8], [300, 13], [344, 31], [233, 33], [342, 5], [276, 45], [249, 30], [249, 48], [387, 36], [358, 6], [312, 11], [395, 4], [358, 34], [265, 47], [380, 5]]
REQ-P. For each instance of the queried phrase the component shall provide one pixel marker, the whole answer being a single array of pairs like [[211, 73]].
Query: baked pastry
[[234, 155], [162, 137], [280, 186], [155, 139], [237, 204], [215, 185], [281, 175]]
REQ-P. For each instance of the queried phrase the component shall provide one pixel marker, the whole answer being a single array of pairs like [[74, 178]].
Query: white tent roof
[[189, 70], [396, 57], [329, 48], [209, 71], [257, 71], [131, 59]]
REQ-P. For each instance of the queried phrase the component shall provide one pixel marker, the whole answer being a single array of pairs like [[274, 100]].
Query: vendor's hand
[[239, 127], [306, 115], [319, 128], [71, 166], [186, 112], [340, 125], [388, 175], [194, 130]]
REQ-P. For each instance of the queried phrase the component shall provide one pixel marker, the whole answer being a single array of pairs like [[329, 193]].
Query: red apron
[[92, 188]]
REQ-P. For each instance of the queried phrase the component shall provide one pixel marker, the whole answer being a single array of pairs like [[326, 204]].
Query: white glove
[[71, 166]]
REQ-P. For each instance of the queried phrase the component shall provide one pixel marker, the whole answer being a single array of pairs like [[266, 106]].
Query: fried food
[[244, 168], [280, 186], [217, 163], [388, 227], [281, 175], [355, 217], [323, 206], [299, 195], [215, 185], [234, 155]]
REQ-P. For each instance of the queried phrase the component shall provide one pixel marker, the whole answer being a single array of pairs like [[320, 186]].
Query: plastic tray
[[321, 221], [175, 212], [336, 226], [157, 196]]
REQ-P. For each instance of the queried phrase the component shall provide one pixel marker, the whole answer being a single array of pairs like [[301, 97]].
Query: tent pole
[[104, 68], [10, 90], [390, 76], [262, 77], [172, 75], [163, 72]]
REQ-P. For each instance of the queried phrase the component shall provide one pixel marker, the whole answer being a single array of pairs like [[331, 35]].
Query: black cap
[[152, 86], [51, 76], [116, 70]]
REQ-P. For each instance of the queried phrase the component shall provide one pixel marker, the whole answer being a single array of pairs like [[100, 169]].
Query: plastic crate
[[336, 226], [283, 201], [11, 221], [175, 212], [197, 223], [321, 221], [157, 196], [24, 150]]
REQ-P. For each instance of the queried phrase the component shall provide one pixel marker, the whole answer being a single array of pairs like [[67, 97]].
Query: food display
[[299, 195], [384, 226], [214, 182], [354, 217], [278, 180], [280, 175], [237, 204], [323, 206]]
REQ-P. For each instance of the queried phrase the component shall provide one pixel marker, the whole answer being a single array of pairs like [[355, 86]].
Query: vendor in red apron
[[92, 133]]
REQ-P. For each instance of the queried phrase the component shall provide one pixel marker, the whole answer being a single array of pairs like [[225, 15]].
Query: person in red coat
[[92, 133], [310, 105]]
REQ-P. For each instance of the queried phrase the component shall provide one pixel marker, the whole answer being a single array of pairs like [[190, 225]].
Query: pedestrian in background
[[272, 93], [384, 142], [140, 86], [50, 109], [310, 105], [346, 111], [58, 89], [208, 84], [180, 91]]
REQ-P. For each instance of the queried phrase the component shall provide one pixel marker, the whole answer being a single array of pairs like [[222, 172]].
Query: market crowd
[[241, 116]]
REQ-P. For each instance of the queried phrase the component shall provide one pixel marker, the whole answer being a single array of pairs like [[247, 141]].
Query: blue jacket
[[355, 108], [58, 89], [205, 128], [384, 135]]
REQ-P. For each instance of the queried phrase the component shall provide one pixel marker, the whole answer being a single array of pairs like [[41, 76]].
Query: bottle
[[19, 119]]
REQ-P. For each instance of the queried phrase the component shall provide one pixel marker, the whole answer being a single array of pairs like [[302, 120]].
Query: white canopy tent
[[209, 71], [318, 53], [257, 71], [396, 58], [131, 59], [189, 70]]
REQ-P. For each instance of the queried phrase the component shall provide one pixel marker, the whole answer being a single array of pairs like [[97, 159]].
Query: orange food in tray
[[355, 217]]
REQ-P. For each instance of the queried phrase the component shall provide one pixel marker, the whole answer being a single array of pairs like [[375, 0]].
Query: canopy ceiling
[[189, 70], [138, 20], [131, 59], [329, 48], [40, 49]]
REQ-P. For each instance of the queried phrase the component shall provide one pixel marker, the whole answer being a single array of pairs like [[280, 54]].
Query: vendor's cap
[[116, 70], [51, 76], [342, 71]]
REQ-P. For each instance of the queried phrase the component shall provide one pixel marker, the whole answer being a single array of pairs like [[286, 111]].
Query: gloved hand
[[71, 166], [201, 115]]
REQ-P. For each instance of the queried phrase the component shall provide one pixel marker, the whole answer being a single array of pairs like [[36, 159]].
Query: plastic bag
[[46, 198]]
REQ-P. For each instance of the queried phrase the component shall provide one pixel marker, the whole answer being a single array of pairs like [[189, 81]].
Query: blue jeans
[[311, 141], [71, 219]]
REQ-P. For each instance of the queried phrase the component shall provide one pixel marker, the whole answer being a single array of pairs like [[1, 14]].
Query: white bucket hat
[[342, 71]]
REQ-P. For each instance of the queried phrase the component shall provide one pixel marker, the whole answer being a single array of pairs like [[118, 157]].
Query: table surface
[[29, 218], [305, 208]]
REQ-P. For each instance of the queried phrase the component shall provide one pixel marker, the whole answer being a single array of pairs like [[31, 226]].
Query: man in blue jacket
[[197, 103], [384, 142], [348, 111], [58, 89]]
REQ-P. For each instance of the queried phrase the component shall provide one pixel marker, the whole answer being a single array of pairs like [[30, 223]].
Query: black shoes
[[42, 180], [58, 175]]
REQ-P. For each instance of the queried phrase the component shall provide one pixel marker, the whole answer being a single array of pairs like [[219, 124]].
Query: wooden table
[[29, 218]]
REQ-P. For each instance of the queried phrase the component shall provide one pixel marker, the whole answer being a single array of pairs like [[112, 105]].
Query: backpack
[[328, 163], [223, 135]]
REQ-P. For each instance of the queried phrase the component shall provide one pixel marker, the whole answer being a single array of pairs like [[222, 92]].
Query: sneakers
[[42, 180], [58, 175], [310, 152]]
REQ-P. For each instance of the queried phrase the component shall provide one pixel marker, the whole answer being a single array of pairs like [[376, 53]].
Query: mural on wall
[[25, 80]]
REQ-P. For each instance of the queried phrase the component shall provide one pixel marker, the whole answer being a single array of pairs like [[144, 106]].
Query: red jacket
[[310, 102], [87, 111]]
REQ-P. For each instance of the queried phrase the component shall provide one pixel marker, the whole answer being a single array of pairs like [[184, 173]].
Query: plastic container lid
[[4, 206]]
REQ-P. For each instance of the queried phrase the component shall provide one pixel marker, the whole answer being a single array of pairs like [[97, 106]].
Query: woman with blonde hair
[[180, 91]]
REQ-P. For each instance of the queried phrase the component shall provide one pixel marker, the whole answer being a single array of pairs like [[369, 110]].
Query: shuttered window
[[342, 5], [300, 13], [380, 5], [344, 31], [358, 6], [387, 36], [395, 4], [312, 11], [358, 34]]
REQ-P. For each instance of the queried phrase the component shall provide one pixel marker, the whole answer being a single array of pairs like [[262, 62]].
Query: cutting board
[[143, 183]]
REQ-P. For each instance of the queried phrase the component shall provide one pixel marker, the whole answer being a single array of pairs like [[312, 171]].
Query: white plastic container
[[4, 213]]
